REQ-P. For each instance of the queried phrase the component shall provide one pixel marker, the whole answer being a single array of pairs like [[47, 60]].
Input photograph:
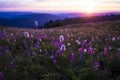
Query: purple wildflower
[[118, 38], [63, 48], [72, 57], [81, 57], [96, 65], [2, 35], [90, 50], [68, 44], [52, 57], [41, 36], [118, 52], [113, 39], [83, 45], [92, 38], [56, 43], [0, 52], [85, 51], [7, 49], [1, 76], [27, 54], [78, 42], [12, 66], [26, 35], [81, 50], [61, 38], [31, 36], [36, 24], [105, 50]]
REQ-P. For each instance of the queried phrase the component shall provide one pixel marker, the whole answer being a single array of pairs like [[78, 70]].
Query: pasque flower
[[61, 38], [12, 66], [63, 47], [52, 57], [26, 35], [72, 57], [96, 65], [90, 50], [105, 50]]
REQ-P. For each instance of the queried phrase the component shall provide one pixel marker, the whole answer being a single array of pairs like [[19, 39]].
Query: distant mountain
[[92, 19], [26, 19], [74, 15], [71, 15], [12, 15]]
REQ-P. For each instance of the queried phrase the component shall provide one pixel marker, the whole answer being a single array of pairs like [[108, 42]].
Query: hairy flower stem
[[44, 47], [72, 73]]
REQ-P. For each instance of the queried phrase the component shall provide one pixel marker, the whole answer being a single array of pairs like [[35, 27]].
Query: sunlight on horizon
[[82, 6]]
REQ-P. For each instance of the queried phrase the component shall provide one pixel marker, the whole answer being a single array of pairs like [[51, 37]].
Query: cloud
[[5, 4], [12, 3], [111, 1]]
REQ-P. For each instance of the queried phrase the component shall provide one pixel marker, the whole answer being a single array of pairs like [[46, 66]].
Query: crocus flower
[[52, 57], [63, 47], [72, 57], [26, 35], [61, 38]]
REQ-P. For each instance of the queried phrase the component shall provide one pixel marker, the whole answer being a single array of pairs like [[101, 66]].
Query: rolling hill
[[26, 19]]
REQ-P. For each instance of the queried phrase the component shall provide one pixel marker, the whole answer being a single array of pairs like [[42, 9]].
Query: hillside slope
[[89, 51]]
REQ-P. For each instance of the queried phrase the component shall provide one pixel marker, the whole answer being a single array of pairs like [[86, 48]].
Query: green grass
[[31, 57]]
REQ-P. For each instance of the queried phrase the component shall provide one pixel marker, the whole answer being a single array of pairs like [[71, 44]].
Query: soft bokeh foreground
[[89, 51]]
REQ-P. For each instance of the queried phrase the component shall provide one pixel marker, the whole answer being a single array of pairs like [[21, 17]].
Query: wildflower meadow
[[88, 51]]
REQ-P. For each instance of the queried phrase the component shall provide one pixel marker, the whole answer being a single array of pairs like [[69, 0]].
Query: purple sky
[[85, 6]]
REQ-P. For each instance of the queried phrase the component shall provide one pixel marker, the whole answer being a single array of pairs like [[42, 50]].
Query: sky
[[81, 6]]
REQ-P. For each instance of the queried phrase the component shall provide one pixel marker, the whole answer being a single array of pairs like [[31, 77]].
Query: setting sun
[[89, 6], [58, 6], [89, 9]]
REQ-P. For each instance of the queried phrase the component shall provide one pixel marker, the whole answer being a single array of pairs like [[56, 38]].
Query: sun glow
[[89, 10], [89, 6], [58, 6]]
